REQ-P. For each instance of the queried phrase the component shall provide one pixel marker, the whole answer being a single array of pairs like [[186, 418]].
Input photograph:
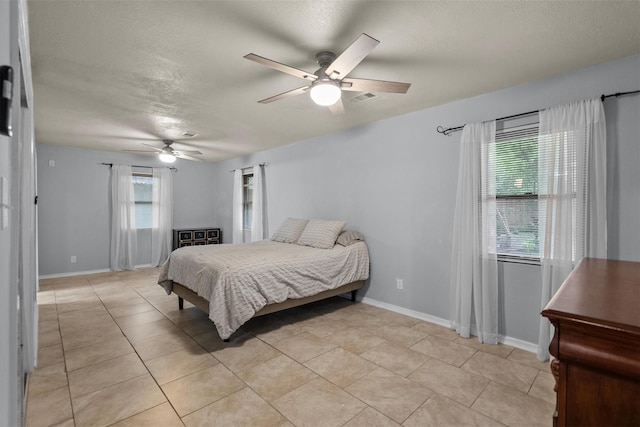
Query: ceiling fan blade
[[293, 92], [151, 146], [188, 152], [184, 156], [281, 67], [337, 108], [351, 57], [364, 85], [139, 151]]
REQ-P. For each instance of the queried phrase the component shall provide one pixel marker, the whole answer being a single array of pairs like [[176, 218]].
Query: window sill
[[518, 260]]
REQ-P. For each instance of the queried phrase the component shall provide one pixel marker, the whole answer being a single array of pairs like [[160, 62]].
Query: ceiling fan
[[328, 82], [167, 154]]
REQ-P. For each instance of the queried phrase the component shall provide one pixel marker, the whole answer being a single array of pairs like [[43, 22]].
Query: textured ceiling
[[111, 75]]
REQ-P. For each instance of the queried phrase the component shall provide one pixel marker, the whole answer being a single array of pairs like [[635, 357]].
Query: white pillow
[[321, 234], [290, 230]]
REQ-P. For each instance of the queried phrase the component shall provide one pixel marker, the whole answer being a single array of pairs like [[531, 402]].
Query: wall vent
[[362, 98]]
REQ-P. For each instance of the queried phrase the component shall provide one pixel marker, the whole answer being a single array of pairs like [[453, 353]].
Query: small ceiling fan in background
[[328, 82], [167, 154]]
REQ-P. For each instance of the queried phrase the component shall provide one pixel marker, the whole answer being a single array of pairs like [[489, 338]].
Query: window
[[247, 200], [143, 190], [516, 192]]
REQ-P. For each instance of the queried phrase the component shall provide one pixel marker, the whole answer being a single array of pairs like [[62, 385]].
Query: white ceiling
[[111, 75]]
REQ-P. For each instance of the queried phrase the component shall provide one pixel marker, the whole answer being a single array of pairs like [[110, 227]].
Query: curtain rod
[[448, 131], [139, 166], [247, 167]]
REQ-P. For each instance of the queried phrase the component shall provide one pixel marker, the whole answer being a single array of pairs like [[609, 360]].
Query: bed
[[235, 282]]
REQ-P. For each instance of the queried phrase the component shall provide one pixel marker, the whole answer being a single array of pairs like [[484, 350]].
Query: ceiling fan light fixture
[[325, 92], [167, 157]]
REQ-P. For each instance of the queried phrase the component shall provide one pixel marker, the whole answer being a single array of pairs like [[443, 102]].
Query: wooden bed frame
[[184, 293]]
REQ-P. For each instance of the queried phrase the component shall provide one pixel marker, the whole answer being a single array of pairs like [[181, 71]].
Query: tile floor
[[115, 350]]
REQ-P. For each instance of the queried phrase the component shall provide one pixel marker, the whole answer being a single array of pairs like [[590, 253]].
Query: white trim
[[513, 342], [82, 273]]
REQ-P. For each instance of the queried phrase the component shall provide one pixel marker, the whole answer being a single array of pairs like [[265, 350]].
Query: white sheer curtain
[[257, 218], [123, 219], [572, 195], [237, 232], [162, 215], [474, 276]]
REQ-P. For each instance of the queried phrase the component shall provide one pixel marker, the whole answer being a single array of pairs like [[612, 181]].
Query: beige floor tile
[[106, 349], [400, 360], [161, 415], [159, 345], [296, 314], [78, 306], [354, 340], [179, 364], [542, 387], [127, 310], [318, 403], [48, 409], [371, 418], [244, 408], [276, 377], [435, 330], [194, 327], [529, 359], [66, 423], [303, 347], [321, 326], [272, 330], [136, 333], [195, 391], [139, 318], [245, 353], [450, 381], [50, 355], [102, 375], [121, 299], [398, 319], [439, 411], [340, 366], [50, 338], [402, 335], [47, 378], [115, 403], [444, 350], [503, 371], [212, 342], [499, 350], [362, 320], [389, 393], [512, 407], [81, 318], [75, 340]]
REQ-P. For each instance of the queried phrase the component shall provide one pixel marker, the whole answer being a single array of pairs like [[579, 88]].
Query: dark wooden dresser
[[196, 236], [596, 315]]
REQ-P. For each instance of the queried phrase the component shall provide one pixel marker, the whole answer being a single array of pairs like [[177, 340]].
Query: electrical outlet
[[399, 284], [73, 259]]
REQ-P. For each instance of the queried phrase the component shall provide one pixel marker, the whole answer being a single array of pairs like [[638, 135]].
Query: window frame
[[247, 202], [142, 202], [513, 135]]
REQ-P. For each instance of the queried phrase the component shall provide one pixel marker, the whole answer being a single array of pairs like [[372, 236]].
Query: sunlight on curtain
[[257, 220], [237, 207], [474, 275], [123, 219], [572, 195], [162, 216]]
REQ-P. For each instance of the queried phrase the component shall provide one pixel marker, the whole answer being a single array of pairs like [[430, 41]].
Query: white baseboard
[[82, 273], [513, 342]]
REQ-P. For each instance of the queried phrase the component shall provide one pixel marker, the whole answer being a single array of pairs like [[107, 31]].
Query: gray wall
[[395, 181], [73, 199]]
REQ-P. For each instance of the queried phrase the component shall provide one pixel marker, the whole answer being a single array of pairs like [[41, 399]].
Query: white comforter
[[239, 279]]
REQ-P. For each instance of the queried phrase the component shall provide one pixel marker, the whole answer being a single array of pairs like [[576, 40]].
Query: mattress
[[240, 279]]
